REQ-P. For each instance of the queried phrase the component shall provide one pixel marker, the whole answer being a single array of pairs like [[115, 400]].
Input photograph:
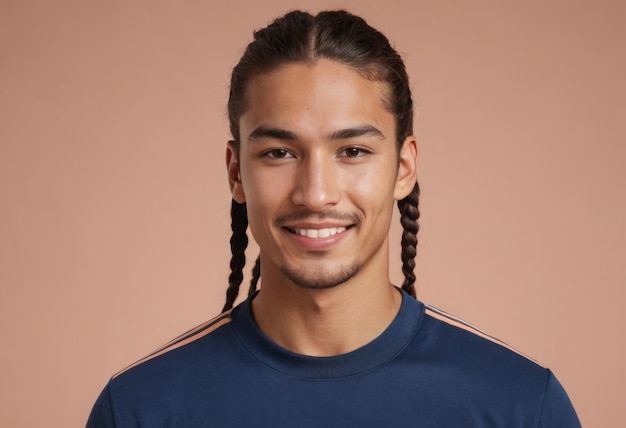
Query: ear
[[407, 168], [234, 173]]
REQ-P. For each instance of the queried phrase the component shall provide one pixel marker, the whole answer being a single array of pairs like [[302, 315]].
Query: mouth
[[318, 228], [319, 233]]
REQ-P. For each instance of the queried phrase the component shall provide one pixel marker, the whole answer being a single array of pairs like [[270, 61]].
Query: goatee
[[323, 279]]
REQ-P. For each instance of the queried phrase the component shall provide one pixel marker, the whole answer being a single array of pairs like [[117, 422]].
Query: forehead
[[316, 96]]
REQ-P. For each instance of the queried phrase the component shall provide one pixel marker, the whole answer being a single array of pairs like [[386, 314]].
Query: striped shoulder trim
[[457, 322], [184, 339]]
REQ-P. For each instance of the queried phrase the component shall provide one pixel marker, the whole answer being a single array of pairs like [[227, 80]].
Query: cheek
[[263, 196], [261, 211], [372, 184]]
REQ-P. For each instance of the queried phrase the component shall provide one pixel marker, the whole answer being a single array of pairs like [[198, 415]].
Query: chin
[[323, 279]]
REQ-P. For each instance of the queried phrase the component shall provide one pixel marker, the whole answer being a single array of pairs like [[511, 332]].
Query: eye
[[278, 154], [353, 152]]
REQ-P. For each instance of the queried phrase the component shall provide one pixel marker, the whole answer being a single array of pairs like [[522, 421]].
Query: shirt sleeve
[[557, 410], [101, 415]]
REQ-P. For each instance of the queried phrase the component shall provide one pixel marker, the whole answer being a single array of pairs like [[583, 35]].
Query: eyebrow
[[263, 132], [358, 131]]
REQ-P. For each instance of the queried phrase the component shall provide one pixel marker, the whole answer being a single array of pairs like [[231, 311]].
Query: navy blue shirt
[[426, 370]]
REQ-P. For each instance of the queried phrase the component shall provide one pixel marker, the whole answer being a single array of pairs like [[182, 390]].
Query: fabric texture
[[426, 370]]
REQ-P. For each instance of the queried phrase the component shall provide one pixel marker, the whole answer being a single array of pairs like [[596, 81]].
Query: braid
[[256, 273], [238, 244], [409, 211]]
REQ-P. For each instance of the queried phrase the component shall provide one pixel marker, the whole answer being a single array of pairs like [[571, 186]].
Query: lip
[[332, 234], [319, 233]]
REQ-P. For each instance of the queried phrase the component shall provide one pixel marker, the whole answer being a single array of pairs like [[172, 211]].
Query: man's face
[[319, 169]]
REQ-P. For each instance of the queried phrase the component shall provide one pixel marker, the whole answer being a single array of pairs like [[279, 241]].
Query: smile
[[320, 233]]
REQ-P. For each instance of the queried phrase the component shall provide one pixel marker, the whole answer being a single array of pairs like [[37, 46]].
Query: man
[[321, 118]]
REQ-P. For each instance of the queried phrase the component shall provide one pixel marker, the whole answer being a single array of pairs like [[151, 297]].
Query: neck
[[325, 322]]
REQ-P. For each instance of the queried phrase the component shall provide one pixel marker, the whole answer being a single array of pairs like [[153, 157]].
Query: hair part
[[348, 39]]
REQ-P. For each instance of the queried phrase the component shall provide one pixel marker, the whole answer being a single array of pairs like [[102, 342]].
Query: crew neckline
[[376, 353]]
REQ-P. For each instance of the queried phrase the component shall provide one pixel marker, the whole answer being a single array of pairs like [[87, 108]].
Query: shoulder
[[462, 336], [181, 347], [201, 348], [462, 354], [153, 385], [490, 373]]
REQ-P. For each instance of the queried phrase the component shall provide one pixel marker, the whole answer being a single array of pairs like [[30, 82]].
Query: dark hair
[[345, 38]]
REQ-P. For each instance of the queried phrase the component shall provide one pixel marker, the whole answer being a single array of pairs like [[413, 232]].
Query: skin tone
[[319, 169]]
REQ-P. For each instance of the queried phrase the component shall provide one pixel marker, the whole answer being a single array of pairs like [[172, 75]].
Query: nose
[[316, 186]]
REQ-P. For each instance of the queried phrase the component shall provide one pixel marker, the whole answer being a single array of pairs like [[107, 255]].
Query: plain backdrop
[[114, 204]]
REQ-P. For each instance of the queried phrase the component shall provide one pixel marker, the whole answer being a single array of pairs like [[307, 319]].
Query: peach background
[[114, 201]]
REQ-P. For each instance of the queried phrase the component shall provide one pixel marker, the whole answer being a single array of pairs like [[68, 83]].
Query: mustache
[[317, 215]]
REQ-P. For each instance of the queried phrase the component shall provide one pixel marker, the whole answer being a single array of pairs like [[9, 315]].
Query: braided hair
[[345, 38]]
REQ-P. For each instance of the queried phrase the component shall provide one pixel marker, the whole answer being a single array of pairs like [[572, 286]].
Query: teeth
[[320, 233]]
